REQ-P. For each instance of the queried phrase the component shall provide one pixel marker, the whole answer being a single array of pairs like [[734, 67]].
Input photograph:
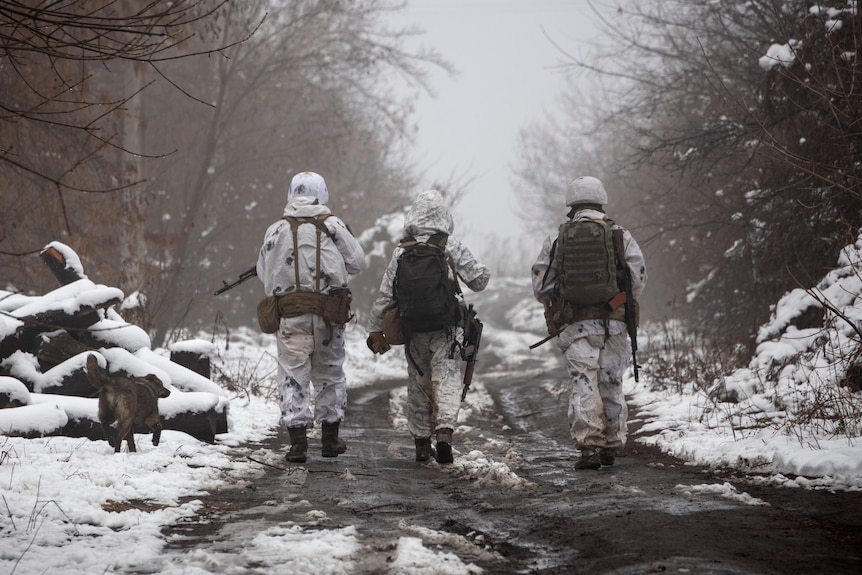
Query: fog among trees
[[728, 136], [159, 141]]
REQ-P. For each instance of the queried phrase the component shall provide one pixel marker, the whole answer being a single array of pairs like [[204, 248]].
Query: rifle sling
[[619, 244]]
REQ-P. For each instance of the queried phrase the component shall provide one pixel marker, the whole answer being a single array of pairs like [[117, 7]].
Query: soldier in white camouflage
[[594, 342], [311, 380], [434, 374]]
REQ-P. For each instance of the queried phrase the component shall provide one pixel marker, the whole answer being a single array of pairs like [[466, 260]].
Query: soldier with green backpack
[[421, 285], [589, 276]]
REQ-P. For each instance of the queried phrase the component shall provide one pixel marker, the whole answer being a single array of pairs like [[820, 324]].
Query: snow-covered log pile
[[44, 345]]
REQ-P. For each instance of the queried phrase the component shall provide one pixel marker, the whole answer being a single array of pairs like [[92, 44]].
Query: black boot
[[444, 446], [298, 445], [331, 445], [424, 451], [590, 459], [608, 456]]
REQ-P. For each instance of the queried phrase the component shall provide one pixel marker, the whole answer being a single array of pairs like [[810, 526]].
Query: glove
[[376, 342]]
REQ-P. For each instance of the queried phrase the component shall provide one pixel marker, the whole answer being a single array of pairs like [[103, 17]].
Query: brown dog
[[129, 401]]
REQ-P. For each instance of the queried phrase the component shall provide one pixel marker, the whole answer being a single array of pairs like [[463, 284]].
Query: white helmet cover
[[586, 190], [308, 184], [428, 215]]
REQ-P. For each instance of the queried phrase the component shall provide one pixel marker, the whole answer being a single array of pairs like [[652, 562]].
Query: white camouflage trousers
[[597, 405], [310, 355], [433, 398]]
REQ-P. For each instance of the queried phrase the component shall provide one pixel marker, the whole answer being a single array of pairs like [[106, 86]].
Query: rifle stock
[[630, 312], [631, 322], [244, 276]]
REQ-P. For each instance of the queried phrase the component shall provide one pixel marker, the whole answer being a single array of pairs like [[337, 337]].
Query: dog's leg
[[111, 433], [107, 418], [124, 431], [111, 436], [149, 391], [108, 431], [130, 439]]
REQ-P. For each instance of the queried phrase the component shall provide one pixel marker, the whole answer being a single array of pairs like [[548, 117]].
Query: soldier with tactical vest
[[306, 258], [580, 277]]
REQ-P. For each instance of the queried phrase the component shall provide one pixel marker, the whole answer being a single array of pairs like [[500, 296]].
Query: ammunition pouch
[[392, 328], [268, 317]]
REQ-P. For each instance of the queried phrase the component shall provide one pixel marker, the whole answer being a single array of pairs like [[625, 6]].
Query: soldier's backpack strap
[[317, 222], [438, 241]]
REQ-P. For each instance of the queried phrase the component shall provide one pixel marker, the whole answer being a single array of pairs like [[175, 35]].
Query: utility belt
[[558, 314], [333, 307]]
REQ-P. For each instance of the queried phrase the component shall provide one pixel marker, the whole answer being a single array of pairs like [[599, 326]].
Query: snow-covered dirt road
[[512, 501]]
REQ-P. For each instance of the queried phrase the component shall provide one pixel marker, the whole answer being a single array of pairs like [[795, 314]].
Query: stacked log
[[44, 343]]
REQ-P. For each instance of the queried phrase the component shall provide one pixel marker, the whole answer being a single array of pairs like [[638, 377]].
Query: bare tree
[[309, 91], [212, 154], [736, 120], [50, 50], [71, 75]]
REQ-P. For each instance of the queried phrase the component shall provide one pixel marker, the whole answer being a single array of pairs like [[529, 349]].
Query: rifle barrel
[[244, 276]]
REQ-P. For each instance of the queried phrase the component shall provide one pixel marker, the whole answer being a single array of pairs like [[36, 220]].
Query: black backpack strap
[[439, 240], [550, 263], [406, 242]]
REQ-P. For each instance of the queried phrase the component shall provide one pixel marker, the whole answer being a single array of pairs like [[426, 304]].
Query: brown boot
[[331, 445], [298, 445], [444, 446]]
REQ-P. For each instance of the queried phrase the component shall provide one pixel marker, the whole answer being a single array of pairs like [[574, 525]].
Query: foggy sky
[[506, 78]]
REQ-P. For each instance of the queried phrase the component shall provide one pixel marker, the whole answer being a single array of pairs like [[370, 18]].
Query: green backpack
[[585, 261]]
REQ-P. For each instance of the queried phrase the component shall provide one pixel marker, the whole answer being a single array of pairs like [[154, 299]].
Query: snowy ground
[[72, 505]]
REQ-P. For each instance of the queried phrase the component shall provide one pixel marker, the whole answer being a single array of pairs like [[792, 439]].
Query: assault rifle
[[244, 276], [470, 346], [630, 312]]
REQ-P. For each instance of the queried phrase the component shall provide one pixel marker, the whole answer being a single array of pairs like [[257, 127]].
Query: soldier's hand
[[377, 342]]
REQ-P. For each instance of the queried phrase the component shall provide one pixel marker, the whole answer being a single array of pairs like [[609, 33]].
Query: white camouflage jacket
[[428, 216], [338, 259]]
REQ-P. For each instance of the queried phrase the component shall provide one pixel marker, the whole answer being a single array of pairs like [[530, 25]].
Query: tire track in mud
[[634, 517]]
